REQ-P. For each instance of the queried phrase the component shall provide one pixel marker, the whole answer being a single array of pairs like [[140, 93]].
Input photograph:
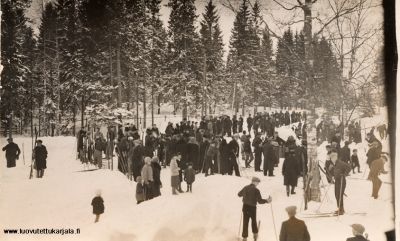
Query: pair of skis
[[331, 214]]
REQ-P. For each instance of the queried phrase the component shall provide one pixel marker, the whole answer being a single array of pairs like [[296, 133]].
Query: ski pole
[[273, 221], [340, 196]]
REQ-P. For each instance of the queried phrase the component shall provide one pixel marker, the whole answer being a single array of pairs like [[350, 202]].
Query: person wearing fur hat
[[157, 184], [98, 205], [139, 190], [147, 176], [12, 152], [251, 196], [293, 228], [358, 232]]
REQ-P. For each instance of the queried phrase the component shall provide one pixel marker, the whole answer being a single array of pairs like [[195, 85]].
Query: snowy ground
[[212, 212]]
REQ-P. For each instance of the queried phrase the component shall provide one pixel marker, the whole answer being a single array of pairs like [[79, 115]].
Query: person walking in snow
[[175, 182], [290, 172], [98, 205], [40, 155], [147, 176], [250, 197], [358, 232], [12, 152], [139, 190], [189, 177], [293, 229]]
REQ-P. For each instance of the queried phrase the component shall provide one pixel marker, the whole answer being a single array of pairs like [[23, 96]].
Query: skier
[[40, 155], [175, 182], [293, 228], [358, 232], [190, 176], [376, 168], [12, 152], [290, 171], [251, 196], [98, 205], [339, 170]]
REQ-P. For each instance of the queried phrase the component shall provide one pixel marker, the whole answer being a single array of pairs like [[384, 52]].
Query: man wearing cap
[[12, 152], [293, 228], [251, 196], [358, 231], [40, 155]]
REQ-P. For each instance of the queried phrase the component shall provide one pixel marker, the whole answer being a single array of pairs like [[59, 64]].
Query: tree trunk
[[144, 103], [152, 103], [159, 104], [119, 99], [137, 99]]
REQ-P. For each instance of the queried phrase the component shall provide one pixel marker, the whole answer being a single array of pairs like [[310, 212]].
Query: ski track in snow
[[212, 212]]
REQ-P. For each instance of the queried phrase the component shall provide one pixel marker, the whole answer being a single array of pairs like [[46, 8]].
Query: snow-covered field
[[62, 199]]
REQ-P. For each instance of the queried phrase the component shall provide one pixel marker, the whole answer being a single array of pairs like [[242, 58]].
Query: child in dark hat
[[98, 205], [354, 161]]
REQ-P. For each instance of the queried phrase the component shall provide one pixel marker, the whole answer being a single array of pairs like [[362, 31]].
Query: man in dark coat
[[251, 196], [249, 123], [345, 152], [339, 171], [12, 152], [224, 152], [228, 126], [234, 124], [358, 232], [233, 155], [136, 156], [240, 124], [193, 153], [257, 144], [40, 155], [269, 158], [293, 229], [290, 171]]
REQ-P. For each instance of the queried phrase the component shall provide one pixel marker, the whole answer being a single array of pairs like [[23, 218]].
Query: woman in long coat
[[290, 171]]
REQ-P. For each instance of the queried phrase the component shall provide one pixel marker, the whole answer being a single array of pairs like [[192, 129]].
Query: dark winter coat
[[234, 148], [249, 122], [193, 154], [373, 154], [98, 205], [341, 169], [290, 170], [357, 238], [247, 146], [181, 146], [294, 230], [156, 173], [224, 151], [251, 196], [140, 192], [345, 154], [190, 175], [270, 157], [40, 157], [12, 153]]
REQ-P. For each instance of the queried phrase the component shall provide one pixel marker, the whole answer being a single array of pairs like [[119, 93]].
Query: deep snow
[[212, 212]]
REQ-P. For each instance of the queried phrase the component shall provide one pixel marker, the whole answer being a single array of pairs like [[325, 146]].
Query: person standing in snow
[[40, 155], [139, 190], [345, 152], [293, 228], [358, 232], [290, 171], [257, 145], [249, 123], [269, 158], [157, 184], [189, 177], [376, 168], [12, 152], [175, 182], [233, 155], [98, 205], [147, 176], [339, 171], [250, 197], [354, 161], [98, 151]]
